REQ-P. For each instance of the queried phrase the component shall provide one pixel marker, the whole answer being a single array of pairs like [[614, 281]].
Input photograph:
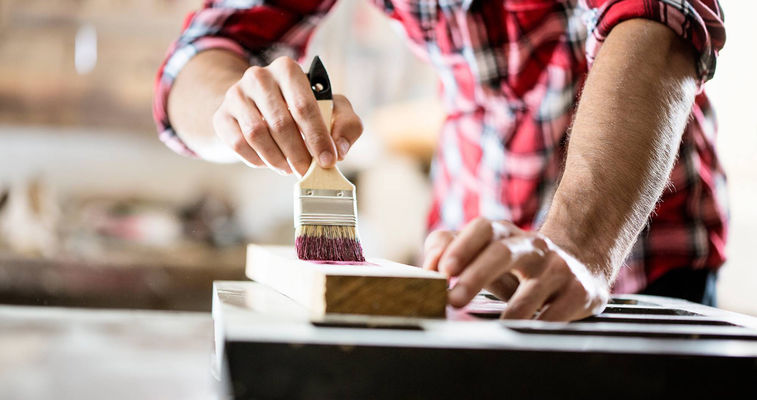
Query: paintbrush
[[325, 205]]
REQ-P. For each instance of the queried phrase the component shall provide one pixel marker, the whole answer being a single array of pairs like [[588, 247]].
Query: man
[[544, 217]]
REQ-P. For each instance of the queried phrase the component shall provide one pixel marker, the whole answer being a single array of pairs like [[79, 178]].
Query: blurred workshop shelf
[[39, 81], [103, 284]]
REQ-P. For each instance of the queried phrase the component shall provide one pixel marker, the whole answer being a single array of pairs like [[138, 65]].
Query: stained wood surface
[[376, 287]]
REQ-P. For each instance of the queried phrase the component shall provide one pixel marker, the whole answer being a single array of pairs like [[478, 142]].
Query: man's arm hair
[[623, 143]]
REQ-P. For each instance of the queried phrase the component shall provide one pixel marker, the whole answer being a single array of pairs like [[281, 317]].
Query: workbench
[[270, 346]]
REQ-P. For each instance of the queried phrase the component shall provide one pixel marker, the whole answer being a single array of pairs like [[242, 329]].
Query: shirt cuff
[[178, 56], [700, 22]]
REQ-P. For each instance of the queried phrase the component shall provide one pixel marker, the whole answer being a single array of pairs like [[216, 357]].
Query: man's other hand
[[535, 276]]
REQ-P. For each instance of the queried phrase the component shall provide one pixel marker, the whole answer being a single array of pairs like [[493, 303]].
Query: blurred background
[[95, 211]]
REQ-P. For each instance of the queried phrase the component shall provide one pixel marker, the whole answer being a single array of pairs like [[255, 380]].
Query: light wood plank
[[377, 287]]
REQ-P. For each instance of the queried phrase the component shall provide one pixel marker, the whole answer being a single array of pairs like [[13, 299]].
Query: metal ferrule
[[324, 207]]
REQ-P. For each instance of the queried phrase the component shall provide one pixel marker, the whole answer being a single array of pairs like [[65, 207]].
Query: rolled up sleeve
[[259, 31], [700, 22]]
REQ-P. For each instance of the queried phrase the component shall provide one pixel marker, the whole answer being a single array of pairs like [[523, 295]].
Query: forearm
[[197, 93], [623, 143]]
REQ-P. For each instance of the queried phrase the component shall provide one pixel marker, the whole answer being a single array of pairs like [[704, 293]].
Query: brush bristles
[[328, 243]]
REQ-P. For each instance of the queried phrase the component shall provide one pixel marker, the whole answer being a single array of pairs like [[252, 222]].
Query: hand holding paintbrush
[[270, 118], [325, 206]]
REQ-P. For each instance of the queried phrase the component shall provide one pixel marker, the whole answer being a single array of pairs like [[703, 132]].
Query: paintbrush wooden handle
[[317, 177], [327, 110]]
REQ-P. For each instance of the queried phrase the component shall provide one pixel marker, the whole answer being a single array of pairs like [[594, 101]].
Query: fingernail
[[281, 171], [458, 295], [449, 266], [344, 146], [326, 158]]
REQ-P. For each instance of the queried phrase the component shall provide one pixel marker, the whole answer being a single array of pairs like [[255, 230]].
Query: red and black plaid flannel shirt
[[511, 71]]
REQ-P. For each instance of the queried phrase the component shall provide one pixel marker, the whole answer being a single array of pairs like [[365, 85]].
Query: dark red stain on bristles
[[319, 248], [360, 263]]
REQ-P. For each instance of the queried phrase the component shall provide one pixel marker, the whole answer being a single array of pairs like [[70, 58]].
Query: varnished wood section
[[378, 287]]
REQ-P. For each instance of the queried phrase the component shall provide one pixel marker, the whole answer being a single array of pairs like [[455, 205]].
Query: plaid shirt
[[511, 71]]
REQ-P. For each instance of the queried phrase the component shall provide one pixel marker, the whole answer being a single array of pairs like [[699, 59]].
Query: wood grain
[[377, 287]]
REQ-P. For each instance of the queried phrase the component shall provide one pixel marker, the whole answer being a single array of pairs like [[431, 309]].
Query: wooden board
[[376, 287]]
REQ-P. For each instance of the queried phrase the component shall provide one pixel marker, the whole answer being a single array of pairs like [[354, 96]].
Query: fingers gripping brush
[[325, 207]]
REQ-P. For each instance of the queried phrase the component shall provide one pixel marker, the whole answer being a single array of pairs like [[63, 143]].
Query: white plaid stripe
[[176, 62], [241, 4]]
